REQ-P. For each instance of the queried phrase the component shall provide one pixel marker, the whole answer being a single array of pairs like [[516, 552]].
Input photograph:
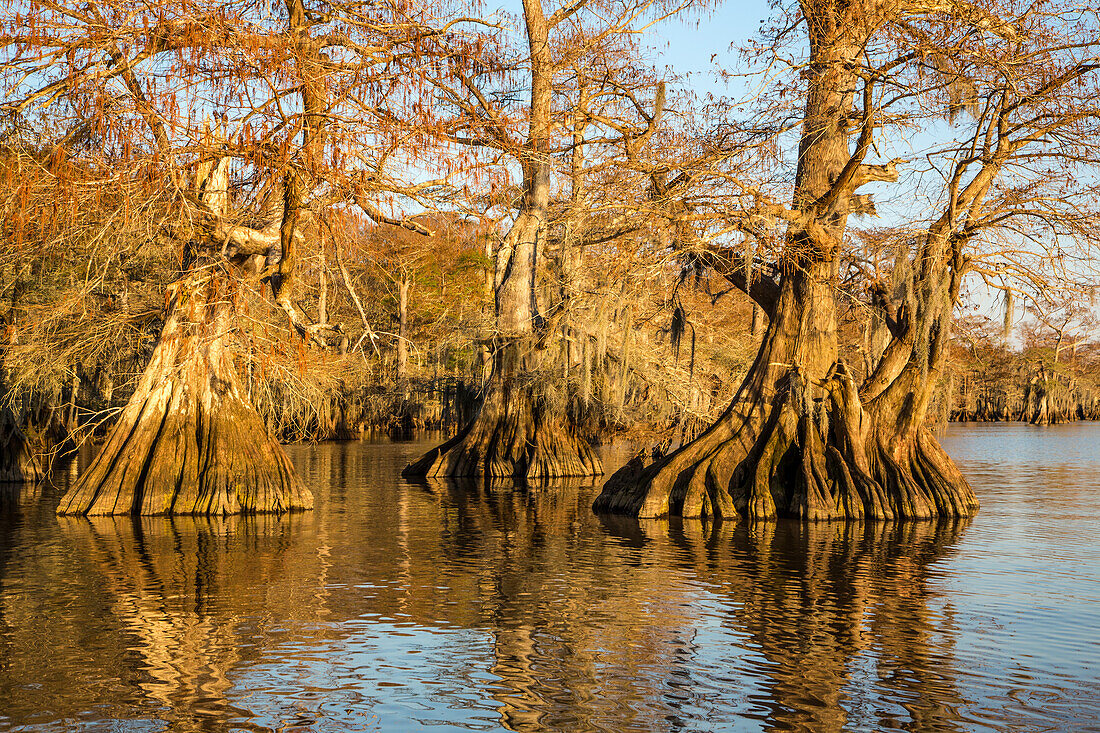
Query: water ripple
[[397, 607]]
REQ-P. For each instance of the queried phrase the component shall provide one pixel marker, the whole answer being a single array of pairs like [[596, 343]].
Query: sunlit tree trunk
[[403, 329], [188, 442], [322, 289], [801, 438], [519, 429]]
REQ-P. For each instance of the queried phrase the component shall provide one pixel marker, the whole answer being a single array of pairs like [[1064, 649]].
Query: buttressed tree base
[[515, 434], [802, 438], [187, 441]]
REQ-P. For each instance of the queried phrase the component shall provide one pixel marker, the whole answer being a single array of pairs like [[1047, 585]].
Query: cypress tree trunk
[[520, 430], [188, 442], [18, 463], [801, 439], [516, 433], [18, 460], [402, 330], [762, 423]]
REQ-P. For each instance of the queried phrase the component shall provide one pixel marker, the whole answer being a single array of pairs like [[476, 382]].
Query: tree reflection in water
[[476, 606], [192, 594], [841, 613]]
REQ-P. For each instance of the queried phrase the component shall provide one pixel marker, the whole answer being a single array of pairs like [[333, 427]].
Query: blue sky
[[696, 44]]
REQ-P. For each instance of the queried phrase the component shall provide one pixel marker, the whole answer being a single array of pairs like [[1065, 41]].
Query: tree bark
[[18, 462], [517, 433], [798, 350], [800, 438], [521, 429], [322, 288], [402, 330], [188, 442]]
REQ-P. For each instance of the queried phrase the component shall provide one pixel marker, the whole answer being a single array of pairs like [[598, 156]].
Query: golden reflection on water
[[811, 597], [816, 597], [397, 606], [181, 588]]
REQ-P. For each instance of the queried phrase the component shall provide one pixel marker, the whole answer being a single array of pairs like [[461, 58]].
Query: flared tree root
[[813, 459], [188, 442], [18, 460], [514, 435]]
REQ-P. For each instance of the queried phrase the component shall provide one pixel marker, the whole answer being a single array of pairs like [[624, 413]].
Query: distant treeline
[[1052, 378]]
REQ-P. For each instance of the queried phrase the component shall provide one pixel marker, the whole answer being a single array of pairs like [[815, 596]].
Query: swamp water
[[402, 607]]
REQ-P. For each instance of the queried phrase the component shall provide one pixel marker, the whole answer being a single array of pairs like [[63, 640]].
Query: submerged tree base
[[516, 433], [18, 462], [815, 460], [188, 442]]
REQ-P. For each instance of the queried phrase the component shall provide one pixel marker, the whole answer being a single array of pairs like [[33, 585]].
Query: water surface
[[401, 607]]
